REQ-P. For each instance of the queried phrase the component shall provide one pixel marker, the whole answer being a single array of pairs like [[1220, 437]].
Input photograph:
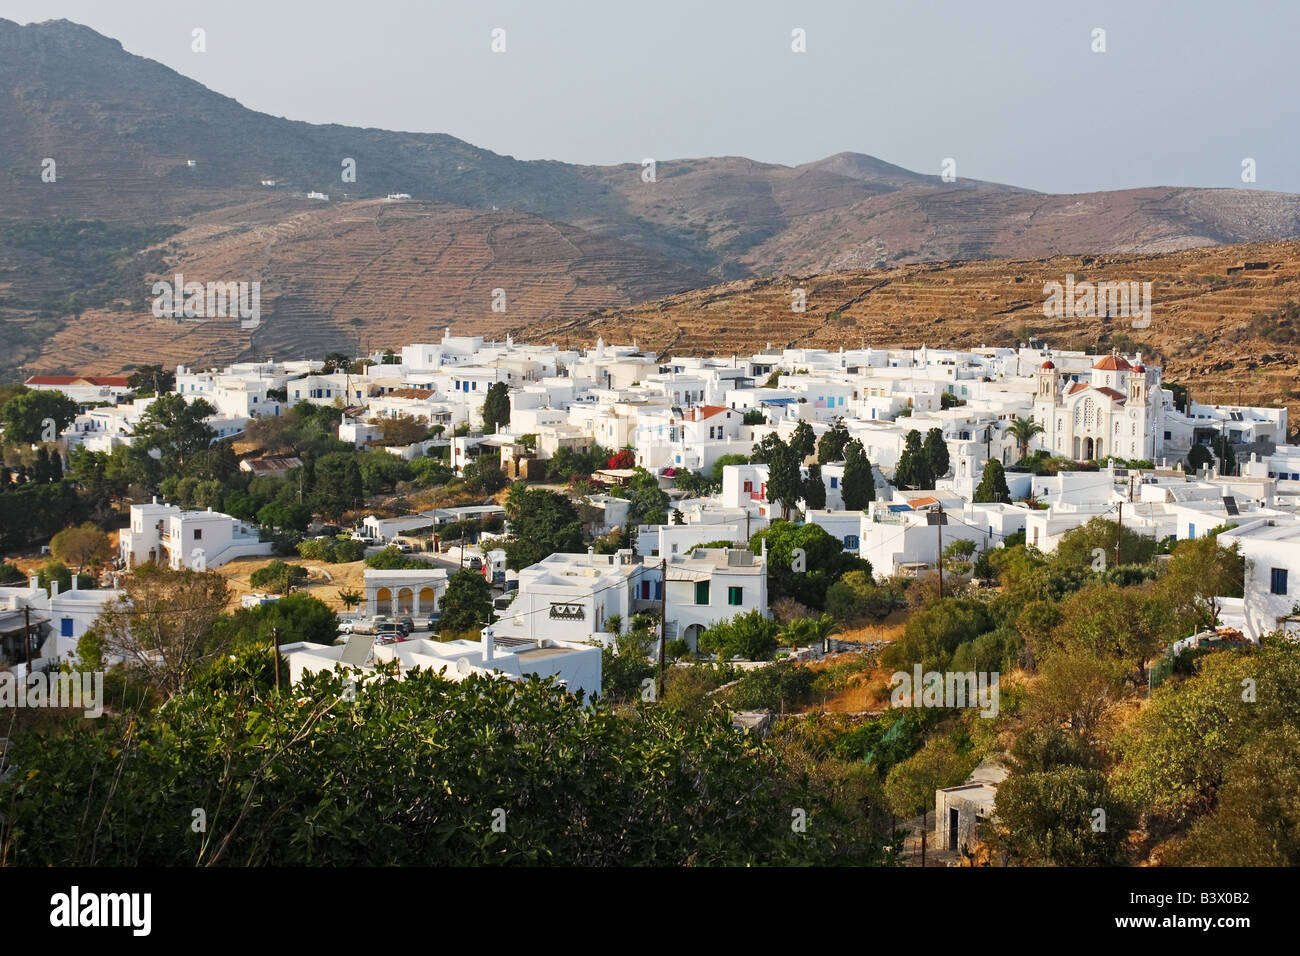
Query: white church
[[1114, 413]]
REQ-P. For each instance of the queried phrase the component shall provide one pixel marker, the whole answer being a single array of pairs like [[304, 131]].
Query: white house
[[166, 534]]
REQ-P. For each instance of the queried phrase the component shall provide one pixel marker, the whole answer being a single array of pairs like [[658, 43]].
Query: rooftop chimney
[[489, 644]]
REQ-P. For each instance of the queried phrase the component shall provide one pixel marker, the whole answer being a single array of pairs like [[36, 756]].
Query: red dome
[[1048, 364], [1140, 368]]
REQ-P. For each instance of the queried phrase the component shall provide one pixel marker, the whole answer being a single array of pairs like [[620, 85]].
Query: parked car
[[476, 564], [405, 625], [347, 627], [434, 618], [387, 629], [404, 547]]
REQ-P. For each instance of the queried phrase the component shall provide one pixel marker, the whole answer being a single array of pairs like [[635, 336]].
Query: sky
[[1012, 90]]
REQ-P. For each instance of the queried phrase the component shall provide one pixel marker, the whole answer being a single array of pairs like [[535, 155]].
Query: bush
[[778, 687], [332, 550], [750, 636], [278, 577], [391, 559]]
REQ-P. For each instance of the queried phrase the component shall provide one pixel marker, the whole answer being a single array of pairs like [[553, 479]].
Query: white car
[[346, 627]]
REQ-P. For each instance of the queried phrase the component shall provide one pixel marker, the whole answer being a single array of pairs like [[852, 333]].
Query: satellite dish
[[463, 666]]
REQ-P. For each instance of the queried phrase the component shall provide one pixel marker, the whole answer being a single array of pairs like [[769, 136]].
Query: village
[[724, 506]]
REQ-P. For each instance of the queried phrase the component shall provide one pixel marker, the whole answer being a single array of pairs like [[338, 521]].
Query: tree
[[784, 473], [542, 523], [336, 362], [163, 624], [1051, 817], [350, 597], [993, 484], [402, 429], [715, 472], [858, 488], [278, 577], [1199, 573], [56, 572], [810, 631], [339, 485], [175, 428], [1218, 454], [648, 502], [750, 636], [496, 407], [830, 447], [1179, 751], [1023, 430], [804, 577], [856, 597], [913, 470], [467, 604], [814, 490], [484, 476], [803, 441], [695, 483], [37, 416], [1079, 546], [935, 451], [151, 378], [83, 545], [573, 776], [755, 416], [910, 785], [1116, 623], [293, 618]]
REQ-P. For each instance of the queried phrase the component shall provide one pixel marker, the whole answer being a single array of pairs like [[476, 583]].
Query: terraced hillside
[[366, 274], [1218, 332]]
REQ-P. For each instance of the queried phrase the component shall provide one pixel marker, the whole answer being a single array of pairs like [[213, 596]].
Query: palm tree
[[1024, 430], [809, 630]]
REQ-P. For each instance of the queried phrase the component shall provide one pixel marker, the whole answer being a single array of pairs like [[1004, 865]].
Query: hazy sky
[[1011, 90]]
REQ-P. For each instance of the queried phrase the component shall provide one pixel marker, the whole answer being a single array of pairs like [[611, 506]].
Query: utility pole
[[663, 623], [275, 657], [938, 526], [1119, 532]]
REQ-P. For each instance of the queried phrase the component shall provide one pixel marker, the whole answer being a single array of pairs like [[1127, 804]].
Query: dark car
[[405, 626], [434, 618]]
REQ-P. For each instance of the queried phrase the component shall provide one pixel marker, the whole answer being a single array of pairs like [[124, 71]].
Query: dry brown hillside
[[1201, 328]]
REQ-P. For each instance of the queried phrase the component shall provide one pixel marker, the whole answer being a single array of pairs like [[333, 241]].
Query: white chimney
[[33, 582], [54, 588], [489, 644]]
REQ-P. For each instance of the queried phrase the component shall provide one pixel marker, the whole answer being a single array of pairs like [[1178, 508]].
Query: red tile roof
[[1113, 363], [1114, 395], [708, 411], [113, 381]]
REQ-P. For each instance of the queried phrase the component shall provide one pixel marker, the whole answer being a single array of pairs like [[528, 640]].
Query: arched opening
[[428, 600], [1097, 451], [1087, 450], [405, 596], [383, 601], [692, 636]]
